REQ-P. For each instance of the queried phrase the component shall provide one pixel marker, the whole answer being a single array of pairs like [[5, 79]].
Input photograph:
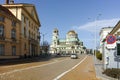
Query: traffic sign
[[111, 39]]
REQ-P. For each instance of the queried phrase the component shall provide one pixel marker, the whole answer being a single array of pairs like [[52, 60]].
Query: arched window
[[13, 23], [1, 30], [25, 32], [13, 34]]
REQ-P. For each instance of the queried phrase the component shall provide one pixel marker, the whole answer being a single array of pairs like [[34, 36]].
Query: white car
[[74, 56]]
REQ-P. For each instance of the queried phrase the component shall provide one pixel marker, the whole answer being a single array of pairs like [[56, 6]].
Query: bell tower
[[55, 37]]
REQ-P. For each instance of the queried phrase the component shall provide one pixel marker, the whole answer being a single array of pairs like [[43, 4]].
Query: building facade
[[111, 56], [29, 29], [103, 33], [71, 44], [9, 34]]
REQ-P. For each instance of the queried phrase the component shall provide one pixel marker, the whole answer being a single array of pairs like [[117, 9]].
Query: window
[[34, 36], [1, 30], [29, 23], [2, 49], [1, 19], [118, 49], [25, 47], [13, 33], [13, 50], [24, 32], [13, 23], [29, 34]]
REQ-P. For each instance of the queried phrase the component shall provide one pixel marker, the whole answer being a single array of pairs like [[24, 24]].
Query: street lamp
[[96, 33], [43, 34]]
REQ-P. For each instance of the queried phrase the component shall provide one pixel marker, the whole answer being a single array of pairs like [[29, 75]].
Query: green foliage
[[98, 55], [115, 73]]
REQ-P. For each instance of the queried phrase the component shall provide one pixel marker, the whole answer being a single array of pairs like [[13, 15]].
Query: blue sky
[[79, 15]]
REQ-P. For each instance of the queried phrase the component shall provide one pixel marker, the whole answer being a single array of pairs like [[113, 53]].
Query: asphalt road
[[50, 70]]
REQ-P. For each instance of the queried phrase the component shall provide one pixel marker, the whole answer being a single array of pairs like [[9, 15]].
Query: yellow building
[[9, 34], [29, 29]]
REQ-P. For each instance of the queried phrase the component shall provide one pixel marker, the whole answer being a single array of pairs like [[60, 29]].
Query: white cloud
[[97, 25], [89, 28]]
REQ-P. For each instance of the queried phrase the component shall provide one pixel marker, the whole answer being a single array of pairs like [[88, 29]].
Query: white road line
[[58, 77], [18, 70]]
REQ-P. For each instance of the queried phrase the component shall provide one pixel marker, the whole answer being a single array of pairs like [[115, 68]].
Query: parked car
[[74, 56]]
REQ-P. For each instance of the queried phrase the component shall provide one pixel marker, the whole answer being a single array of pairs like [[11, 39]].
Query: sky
[[86, 17]]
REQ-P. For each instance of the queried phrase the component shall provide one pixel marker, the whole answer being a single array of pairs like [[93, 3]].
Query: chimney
[[7, 2], [11, 1]]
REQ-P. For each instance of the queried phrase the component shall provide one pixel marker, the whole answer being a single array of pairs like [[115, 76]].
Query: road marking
[[58, 77], [18, 70]]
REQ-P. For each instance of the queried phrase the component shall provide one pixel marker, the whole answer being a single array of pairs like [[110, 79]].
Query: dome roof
[[71, 32]]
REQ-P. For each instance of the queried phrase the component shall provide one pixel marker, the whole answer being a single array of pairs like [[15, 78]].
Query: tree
[[84, 48], [45, 47]]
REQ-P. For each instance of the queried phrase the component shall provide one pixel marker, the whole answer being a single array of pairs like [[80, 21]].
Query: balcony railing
[[13, 39]]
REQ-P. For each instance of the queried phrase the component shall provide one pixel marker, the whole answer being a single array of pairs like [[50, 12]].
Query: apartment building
[[9, 34]]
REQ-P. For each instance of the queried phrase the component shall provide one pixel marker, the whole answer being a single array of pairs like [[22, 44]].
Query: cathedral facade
[[71, 44]]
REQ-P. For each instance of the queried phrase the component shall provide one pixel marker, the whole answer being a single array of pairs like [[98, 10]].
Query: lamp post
[[43, 45], [96, 34], [43, 34]]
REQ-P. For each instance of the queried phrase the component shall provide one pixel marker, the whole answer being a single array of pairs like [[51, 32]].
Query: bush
[[99, 55], [115, 73]]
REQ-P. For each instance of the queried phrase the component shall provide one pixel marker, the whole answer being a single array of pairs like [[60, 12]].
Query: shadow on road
[[23, 60]]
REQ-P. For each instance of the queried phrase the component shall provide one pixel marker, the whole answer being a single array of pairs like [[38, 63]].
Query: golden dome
[[71, 32]]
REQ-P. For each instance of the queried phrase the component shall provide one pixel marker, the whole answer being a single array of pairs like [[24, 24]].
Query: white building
[[111, 59], [71, 44], [103, 33]]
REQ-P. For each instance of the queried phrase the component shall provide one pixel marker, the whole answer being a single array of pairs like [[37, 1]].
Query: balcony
[[13, 39]]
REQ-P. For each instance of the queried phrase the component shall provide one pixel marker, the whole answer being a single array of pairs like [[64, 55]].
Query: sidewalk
[[99, 70]]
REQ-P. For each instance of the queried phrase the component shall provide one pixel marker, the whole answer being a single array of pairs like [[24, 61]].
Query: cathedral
[[71, 44]]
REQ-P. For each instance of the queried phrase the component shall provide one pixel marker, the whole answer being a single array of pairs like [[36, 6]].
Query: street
[[62, 68]]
